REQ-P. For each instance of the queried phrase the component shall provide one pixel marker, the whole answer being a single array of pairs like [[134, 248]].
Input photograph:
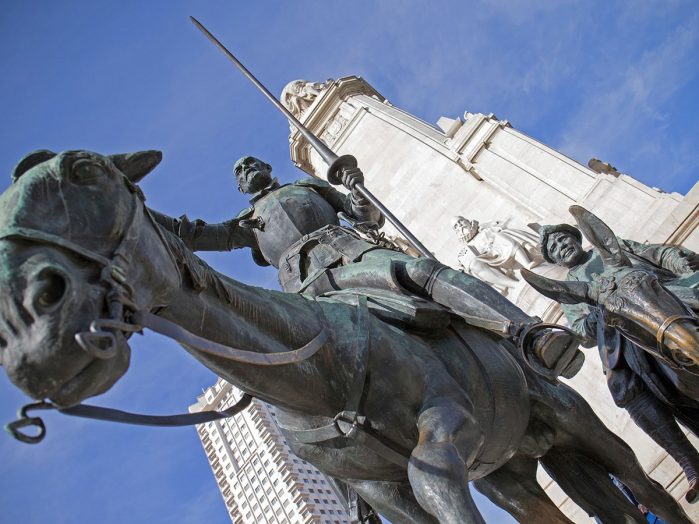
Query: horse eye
[[86, 171], [51, 291]]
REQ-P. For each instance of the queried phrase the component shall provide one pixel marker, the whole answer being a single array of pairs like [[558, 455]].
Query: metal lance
[[336, 163]]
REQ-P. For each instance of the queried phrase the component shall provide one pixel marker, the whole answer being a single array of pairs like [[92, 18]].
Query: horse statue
[[644, 310], [405, 414]]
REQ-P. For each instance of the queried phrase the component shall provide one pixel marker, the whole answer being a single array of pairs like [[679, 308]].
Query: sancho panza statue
[[295, 228], [635, 379]]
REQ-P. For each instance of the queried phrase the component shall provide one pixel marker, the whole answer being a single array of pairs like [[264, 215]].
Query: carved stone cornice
[[326, 117]]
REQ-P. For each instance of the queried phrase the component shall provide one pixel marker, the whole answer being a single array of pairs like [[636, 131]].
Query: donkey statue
[[638, 303]]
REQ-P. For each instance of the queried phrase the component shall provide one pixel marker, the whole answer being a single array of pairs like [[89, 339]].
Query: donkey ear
[[563, 291], [32, 159], [137, 165], [601, 236]]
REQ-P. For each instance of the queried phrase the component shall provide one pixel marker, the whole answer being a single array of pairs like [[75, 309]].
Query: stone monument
[[480, 166]]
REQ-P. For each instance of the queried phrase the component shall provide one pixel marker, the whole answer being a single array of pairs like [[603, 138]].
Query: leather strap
[[660, 335], [348, 423], [181, 335], [674, 358], [182, 419], [114, 415]]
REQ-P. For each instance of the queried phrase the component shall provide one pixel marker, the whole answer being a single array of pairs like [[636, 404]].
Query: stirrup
[[570, 356]]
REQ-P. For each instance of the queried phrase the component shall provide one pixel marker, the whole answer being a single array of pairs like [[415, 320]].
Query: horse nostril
[[52, 287]]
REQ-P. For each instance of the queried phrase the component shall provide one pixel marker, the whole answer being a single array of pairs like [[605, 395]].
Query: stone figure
[[602, 167], [494, 252], [298, 95], [398, 398], [650, 377]]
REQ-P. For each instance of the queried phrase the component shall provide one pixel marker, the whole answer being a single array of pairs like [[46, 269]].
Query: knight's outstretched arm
[[200, 236]]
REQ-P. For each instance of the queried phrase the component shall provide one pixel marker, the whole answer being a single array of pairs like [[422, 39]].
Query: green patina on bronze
[[457, 400], [638, 304]]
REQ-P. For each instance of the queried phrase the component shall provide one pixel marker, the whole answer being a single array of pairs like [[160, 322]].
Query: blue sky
[[614, 80]]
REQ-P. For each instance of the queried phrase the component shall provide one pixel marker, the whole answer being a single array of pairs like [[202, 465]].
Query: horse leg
[[590, 487], [356, 506], [394, 500], [449, 438], [586, 433], [514, 488], [657, 420]]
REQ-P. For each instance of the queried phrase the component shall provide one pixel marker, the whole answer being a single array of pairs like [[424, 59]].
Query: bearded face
[[465, 229], [252, 174]]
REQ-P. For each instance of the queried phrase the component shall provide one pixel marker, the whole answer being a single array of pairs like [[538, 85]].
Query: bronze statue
[[295, 228], [386, 391], [637, 303]]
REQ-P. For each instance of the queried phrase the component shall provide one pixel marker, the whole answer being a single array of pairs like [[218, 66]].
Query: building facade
[[260, 479], [480, 167]]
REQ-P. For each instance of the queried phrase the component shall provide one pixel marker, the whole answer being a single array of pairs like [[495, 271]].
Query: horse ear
[[601, 236], [32, 159], [565, 291], [137, 165]]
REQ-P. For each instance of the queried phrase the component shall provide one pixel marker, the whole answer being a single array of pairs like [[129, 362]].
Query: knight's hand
[[351, 176]]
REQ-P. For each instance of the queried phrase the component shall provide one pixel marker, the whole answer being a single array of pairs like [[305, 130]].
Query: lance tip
[[195, 22]]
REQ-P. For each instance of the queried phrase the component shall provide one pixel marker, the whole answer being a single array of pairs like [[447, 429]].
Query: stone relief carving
[[598, 166], [334, 128], [299, 95], [495, 252]]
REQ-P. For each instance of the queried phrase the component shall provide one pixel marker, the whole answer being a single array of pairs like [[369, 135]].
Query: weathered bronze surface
[[638, 303], [400, 379]]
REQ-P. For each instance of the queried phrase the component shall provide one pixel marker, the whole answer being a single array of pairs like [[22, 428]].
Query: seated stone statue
[[295, 228], [298, 95], [495, 253], [633, 377]]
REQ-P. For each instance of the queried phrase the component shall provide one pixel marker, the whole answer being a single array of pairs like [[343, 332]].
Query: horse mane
[[200, 275]]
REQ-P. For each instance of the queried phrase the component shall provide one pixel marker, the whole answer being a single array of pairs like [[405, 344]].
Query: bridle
[[674, 357], [125, 318]]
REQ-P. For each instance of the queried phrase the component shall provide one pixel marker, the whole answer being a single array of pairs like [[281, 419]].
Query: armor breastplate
[[289, 213]]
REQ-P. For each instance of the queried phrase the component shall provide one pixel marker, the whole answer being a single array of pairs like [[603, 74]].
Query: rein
[[124, 319]]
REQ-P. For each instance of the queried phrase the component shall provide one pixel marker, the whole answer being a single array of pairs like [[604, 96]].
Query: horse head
[[62, 222], [628, 298]]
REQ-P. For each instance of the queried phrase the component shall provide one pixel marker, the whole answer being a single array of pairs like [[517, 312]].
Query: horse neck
[[229, 312]]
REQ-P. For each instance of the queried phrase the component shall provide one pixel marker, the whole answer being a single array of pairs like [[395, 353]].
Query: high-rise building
[[260, 479]]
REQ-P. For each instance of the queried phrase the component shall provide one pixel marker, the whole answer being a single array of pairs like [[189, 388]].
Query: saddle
[[399, 309]]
